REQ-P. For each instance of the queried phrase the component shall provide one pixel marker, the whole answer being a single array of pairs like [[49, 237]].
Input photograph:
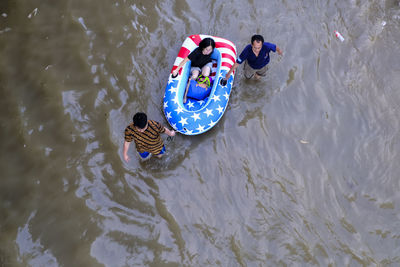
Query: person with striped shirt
[[147, 137]]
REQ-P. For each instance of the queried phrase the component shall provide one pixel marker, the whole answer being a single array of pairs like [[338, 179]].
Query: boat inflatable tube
[[199, 115]]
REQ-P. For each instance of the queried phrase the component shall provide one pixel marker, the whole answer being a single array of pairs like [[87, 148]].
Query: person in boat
[[200, 60], [147, 137], [255, 57]]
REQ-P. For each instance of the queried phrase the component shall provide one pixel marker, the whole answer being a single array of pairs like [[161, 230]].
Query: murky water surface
[[302, 170]]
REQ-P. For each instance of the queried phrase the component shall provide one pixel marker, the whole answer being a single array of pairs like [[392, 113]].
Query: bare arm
[[183, 62], [169, 132], [234, 66], [125, 152]]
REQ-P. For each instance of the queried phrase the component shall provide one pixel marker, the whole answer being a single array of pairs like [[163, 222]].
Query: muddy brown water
[[302, 170]]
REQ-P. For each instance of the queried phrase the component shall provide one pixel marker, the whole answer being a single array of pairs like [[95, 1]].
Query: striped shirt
[[148, 141]]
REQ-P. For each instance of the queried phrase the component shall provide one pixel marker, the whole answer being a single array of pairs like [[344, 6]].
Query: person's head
[[140, 120], [257, 38], [257, 42], [207, 46], [203, 81]]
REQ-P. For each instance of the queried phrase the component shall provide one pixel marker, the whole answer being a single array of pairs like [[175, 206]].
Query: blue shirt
[[252, 60]]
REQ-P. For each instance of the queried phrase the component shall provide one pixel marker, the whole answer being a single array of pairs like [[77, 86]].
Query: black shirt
[[197, 58]]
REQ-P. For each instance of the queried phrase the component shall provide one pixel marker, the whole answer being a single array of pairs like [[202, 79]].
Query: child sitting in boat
[[199, 89], [200, 59]]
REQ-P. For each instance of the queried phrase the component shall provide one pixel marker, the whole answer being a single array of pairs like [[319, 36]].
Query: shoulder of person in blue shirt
[[264, 53]]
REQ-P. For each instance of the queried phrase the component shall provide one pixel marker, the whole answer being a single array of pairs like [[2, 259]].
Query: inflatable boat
[[198, 116]]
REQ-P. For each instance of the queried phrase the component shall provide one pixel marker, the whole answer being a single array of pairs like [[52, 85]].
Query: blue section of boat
[[196, 117]]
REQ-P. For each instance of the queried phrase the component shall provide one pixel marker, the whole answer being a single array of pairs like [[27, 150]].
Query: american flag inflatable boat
[[198, 116]]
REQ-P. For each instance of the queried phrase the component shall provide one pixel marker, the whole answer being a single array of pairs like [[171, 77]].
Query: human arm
[[280, 52], [125, 152], [183, 62], [232, 69], [242, 57], [169, 132]]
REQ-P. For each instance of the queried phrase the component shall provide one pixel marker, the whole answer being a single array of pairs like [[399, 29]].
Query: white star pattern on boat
[[200, 128], [208, 112], [211, 124], [196, 116], [190, 104], [176, 101], [215, 98], [173, 89], [179, 110], [226, 95], [183, 121]]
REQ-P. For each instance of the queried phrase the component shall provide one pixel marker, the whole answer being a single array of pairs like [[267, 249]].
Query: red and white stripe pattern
[[225, 47]]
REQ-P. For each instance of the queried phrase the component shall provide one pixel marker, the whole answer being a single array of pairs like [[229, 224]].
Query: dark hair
[[140, 120], [257, 38], [206, 42]]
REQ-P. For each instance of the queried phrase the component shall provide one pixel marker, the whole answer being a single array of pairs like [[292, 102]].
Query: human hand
[[126, 158], [172, 133], [279, 51], [175, 73], [227, 76]]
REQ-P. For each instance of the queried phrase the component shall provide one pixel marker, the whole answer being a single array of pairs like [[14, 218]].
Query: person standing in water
[[147, 137], [255, 57]]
